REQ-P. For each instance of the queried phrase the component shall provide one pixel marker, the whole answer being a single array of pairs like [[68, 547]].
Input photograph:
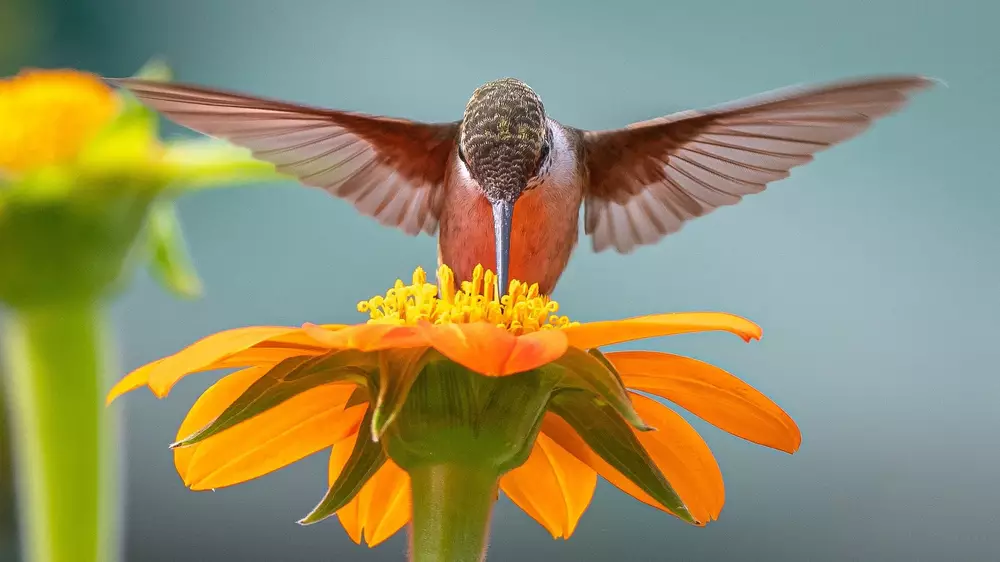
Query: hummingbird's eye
[[544, 154]]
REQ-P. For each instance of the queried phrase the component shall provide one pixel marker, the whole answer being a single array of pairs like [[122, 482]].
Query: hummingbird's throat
[[520, 311]]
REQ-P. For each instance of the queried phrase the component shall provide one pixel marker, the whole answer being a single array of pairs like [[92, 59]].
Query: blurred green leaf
[[169, 261], [205, 163], [155, 69]]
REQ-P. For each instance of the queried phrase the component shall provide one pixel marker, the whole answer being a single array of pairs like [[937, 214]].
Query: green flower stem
[[56, 361], [452, 504]]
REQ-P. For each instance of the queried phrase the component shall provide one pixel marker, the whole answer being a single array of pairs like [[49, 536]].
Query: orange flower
[[232, 434]]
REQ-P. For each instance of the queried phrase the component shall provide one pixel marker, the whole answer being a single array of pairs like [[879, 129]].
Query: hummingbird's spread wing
[[646, 180], [390, 169]]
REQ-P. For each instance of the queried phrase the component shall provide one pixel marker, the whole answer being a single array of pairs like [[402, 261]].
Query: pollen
[[520, 311], [47, 116]]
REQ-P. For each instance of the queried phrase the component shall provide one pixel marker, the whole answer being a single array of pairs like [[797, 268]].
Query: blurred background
[[873, 271]]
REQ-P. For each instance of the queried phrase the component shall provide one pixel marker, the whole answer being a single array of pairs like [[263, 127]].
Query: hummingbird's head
[[504, 142]]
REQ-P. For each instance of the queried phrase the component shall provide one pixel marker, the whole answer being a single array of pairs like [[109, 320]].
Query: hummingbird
[[504, 185]]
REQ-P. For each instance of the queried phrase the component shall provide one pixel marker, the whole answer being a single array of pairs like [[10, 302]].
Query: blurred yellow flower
[[86, 187], [48, 116], [84, 177]]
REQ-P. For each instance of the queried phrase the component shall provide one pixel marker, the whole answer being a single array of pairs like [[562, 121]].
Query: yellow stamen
[[47, 116], [521, 310]]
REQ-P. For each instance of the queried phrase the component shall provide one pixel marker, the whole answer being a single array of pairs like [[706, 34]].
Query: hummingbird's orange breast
[[543, 231]]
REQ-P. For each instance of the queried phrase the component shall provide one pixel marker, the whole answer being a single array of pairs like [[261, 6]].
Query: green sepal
[[366, 459], [285, 380], [361, 395], [585, 371], [599, 355], [169, 261], [455, 415], [607, 435], [398, 369]]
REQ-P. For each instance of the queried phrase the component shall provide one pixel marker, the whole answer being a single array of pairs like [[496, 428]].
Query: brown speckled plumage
[[502, 137]]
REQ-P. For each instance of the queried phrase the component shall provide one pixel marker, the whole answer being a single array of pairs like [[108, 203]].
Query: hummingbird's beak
[[503, 213]]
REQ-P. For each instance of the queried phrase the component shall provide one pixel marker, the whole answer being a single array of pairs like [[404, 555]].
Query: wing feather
[[648, 179], [390, 169]]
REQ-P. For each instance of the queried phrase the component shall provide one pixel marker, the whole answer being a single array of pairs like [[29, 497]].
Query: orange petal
[[552, 486], [209, 405], [566, 437], [271, 440], [711, 394], [132, 381], [598, 334], [534, 350], [299, 338], [270, 351], [274, 350], [262, 356], [367, 337], [382, 506], [349, 514], [683, 457], [206, 351], [678, 451], [385, 503], [493, 351]]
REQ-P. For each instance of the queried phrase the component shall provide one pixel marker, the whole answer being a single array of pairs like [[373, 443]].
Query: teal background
[[873, 271]]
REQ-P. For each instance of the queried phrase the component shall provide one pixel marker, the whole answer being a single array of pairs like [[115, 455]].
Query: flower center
[[521, 310], [46, 116]]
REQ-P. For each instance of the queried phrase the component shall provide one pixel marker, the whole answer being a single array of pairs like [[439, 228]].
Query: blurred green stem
[[451, 512], [63, 437]]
